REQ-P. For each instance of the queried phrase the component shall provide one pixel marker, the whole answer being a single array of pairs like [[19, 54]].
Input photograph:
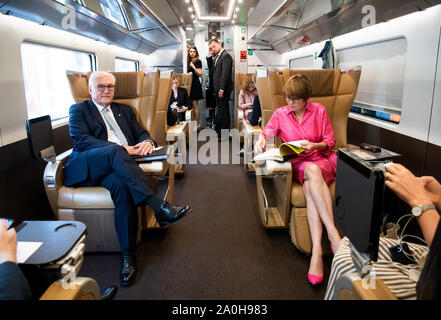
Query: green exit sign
[[228, 40], [250, 52], [244, 30]]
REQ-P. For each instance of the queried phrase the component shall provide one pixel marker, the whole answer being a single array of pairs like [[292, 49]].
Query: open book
[[286, 151]]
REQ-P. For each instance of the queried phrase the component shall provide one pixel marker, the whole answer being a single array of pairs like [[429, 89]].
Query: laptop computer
[[358, 205], [158, 154]]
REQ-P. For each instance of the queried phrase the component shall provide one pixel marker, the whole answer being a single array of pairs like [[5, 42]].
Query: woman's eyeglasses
[[293, 100]]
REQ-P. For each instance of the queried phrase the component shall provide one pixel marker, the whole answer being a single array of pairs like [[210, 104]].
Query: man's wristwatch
[[418, 210]]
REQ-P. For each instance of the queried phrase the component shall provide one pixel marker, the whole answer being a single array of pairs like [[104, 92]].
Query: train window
[[381, 86], [138, 19], [111, 9], [44, 72], [302, 63], [126, 65]]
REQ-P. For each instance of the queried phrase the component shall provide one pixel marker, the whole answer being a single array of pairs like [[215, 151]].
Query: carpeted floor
[[220, 251]]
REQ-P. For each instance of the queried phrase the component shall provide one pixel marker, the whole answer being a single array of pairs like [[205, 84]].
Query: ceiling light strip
[[231, 5]]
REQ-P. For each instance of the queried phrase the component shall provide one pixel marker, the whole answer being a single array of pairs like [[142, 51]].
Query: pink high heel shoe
[[314, 280]]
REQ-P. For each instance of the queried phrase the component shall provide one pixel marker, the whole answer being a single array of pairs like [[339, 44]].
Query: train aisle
[[220, 251]]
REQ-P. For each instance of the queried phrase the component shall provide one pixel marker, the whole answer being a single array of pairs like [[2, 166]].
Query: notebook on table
[[158, 154]]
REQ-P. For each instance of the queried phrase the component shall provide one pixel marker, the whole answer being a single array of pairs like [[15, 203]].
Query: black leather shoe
[[128, 269], [109, 293], [169, 214]]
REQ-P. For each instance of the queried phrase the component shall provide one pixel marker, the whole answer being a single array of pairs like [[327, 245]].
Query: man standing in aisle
[[222, 84]]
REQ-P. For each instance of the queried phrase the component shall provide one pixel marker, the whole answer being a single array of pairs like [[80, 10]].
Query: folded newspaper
[[286, 151]]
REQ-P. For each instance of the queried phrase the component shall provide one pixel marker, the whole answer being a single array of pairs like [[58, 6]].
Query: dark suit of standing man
[[222, 84], [105, 135], [209, 90]]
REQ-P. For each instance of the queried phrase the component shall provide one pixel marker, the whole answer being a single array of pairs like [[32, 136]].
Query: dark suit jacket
[[182, 98], [13, 284], [88, 131], [222, 73], [253, 117], [210, 64]]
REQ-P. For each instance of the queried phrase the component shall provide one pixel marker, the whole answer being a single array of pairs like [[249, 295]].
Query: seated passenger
[[13, 284], [255, 116], [178, 103], [246, 96], [416, 192], [314, 168], [105, 135]]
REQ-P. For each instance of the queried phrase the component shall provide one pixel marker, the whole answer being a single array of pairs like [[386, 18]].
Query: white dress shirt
[[111, 136]]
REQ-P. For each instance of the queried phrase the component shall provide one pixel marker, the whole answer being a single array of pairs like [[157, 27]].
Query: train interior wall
[[417, 136]]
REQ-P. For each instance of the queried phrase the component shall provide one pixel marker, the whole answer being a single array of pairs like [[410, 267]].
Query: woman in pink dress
[[315, 167], [246, 96]]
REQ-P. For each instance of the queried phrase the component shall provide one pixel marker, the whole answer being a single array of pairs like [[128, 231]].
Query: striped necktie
[[114, 126]]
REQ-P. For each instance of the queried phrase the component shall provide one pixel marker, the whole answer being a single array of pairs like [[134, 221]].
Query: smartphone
[[398, 255], [370, 148]]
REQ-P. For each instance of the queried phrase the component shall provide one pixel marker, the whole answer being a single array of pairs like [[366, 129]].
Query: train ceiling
[[147, 25]]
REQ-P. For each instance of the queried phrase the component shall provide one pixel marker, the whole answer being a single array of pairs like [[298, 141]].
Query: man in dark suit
[[105, 135], [13, 284], [222, 84], [209, 90]]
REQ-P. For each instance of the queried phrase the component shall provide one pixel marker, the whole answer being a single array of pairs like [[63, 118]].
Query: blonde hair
[[298, 87], [246, 83], [176, 77]]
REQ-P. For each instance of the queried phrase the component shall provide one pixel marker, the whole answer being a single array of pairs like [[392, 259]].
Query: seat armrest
[[249, 129], [79, 289], [276, 166], [351, 287], [240, 114], [176, 131], [188, 115], [53, 179]]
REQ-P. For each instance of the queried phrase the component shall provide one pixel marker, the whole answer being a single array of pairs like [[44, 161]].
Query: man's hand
[[221, 94], [141, 149], [144, 148], [8, 243], [408, 187]]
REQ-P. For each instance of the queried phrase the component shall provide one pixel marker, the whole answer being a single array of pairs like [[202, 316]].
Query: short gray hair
[[100, 74]]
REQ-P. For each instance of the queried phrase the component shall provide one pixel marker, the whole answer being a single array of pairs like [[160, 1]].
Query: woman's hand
[[260, 144], [433, 190], [408, 187], [192, 65], [308, 146], [183, 109]]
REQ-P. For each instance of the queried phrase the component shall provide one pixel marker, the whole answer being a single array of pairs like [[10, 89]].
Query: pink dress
[[245, 98], [315, 127]]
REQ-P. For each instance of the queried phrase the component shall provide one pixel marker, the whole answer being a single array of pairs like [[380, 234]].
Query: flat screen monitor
[[358, 205], [40, 138]]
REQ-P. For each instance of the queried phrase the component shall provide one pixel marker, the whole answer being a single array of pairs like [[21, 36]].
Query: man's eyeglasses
[[102, 87]]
